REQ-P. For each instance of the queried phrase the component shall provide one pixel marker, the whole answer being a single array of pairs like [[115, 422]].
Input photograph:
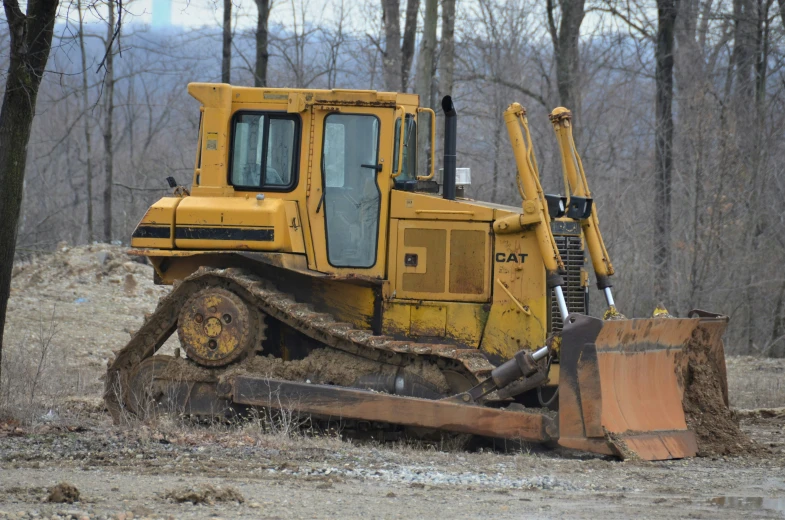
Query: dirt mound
[[204, 494], [705, 400], [333, 367], [83, 265], [63, 493], [322, 366]]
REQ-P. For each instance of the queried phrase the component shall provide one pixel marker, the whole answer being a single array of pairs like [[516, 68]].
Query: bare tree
[[565, 37], [109, 83], [262, 55], [391, 54], [407, 46], [293, 49], [30, 42], [396, 55], [334, 39], [424, 79], [666, 24], [447, 56], [226, 55], [86, 123]]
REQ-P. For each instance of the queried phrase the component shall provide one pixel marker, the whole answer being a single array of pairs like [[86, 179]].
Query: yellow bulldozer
[[314, 269]]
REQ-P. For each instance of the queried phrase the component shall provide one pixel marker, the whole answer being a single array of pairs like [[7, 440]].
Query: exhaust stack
[[450, 158]]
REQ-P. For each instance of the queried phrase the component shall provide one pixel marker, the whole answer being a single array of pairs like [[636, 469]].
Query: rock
[[63, 493], [103, 257], [204, 494], [129, 286]]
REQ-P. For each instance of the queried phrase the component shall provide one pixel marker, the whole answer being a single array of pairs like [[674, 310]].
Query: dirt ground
[[67, 313]]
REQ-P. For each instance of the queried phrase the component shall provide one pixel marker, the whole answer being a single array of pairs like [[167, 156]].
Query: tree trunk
[[30, 42], [565, 40], [666, 22], [108, 119], [745, 22], [226, 57], [391, 57], [424, 79], [778, 329], [260, 71], [447, 58], [86, 123], [407, 47]]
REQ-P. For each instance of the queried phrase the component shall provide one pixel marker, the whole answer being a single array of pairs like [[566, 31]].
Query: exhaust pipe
[[450, 158]]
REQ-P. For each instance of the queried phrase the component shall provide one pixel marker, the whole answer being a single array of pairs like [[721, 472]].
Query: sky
[[199, 13]]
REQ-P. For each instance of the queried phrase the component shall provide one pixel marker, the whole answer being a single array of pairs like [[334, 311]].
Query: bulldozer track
[[321, 327]]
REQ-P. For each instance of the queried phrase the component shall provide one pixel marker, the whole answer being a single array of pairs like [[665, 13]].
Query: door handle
[[377, 167]]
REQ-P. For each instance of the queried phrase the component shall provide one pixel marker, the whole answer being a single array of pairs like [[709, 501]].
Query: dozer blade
[[622, 383]]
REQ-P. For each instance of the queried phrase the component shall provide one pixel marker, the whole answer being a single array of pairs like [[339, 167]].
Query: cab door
[[348, 204]]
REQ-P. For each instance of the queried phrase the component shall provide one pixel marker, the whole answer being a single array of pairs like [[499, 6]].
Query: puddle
[[773, 504]]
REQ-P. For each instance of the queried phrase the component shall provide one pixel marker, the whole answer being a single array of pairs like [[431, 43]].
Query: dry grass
[[755, 382], [34, 382]]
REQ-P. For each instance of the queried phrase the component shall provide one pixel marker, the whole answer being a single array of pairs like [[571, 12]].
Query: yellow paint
[[428, 320], [465, 322], [462, 322], [346, 302], [229, 213], [534, 208], [575, 183], [160, 214], [425, 206], [518, 317], [295, 224], [434, 261], [397, 318]]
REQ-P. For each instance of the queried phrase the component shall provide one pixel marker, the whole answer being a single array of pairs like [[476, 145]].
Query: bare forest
[[678, 110]]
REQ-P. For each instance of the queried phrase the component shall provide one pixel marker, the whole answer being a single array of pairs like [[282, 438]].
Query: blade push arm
[[535, 210], [576, 185]]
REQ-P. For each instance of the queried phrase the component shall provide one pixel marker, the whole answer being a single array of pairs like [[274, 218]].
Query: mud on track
[[98, 294]]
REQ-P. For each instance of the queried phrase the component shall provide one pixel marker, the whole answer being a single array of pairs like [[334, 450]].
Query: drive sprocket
[[217, 327]]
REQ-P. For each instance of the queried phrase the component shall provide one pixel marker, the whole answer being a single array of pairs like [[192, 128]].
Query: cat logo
[[512, 257]]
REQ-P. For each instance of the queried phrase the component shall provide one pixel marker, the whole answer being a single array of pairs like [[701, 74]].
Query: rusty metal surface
[[151, 392], [216, 327], [281, 306], [657, 445], [349, 403], [580, 394], [641, 364], [621, 384]]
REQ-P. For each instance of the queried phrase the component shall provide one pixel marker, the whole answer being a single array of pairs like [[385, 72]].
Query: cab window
[[409, 148], [264, 151], [352, 198]]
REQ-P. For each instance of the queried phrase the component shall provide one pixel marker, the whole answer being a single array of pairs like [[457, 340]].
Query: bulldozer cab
[[322, 163]]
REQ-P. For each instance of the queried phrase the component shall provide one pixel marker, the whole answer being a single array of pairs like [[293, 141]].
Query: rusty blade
[[640, 364], [621, 384], [580, 389], [350, 403]]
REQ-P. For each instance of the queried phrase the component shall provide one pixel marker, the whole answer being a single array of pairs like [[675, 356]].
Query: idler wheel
[[216, 327], [147, 385]]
